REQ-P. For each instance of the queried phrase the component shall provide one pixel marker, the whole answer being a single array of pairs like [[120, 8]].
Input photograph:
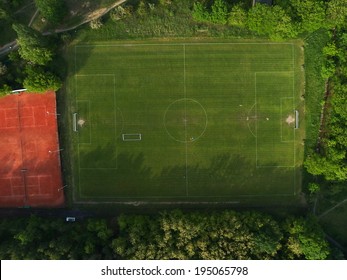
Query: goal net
[[132, 137]]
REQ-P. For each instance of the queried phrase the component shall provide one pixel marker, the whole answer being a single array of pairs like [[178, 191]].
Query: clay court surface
[[30, 174]]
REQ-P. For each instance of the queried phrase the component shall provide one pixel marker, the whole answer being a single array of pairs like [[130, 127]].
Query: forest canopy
[[169, 235]]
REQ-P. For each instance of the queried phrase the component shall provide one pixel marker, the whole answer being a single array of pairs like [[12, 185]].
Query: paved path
[[332, 208]]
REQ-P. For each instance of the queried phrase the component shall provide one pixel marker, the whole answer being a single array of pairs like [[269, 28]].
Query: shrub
[[95, 24]]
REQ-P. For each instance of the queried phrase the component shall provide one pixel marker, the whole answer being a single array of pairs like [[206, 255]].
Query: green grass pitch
[[185, 121]]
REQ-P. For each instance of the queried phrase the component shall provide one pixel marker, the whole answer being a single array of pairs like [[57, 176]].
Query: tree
[[32, 46], [3, 69], [309, 14], [47, 238], [39, 80], [218, 235], [119, 13], [200, 12], [95, 23], [52, 10], [272, 21], [141, 9], [313, 188], [336, 12], [237, 16], [319, 165], [3, 13], [219, 12], [304, 239], [36, 55], [27, 36], [5, 90]]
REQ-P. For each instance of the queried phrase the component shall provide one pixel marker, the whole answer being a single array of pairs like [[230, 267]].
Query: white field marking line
[[75, 62], [98, 168], [10, 179], [185, 114], [45, 110], [11, 195], [280, 166], [256, 119], [179, 100], [281, 120], [115, 116], [93, 75], [173, 44], [111, 45], [248, 114], [181, 196], [78, 191], [6, 117], [21, 139], [39, 185], [256, 139], [293, 70], [90, 128], [78, 155], [90, 133], [139, 202]]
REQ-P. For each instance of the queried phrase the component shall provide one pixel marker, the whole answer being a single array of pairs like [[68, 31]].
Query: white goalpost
[[132, 137], [296, 119], [74, 122]]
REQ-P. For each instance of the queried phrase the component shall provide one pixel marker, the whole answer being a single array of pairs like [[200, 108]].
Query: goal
[[132, 137], [296, 119], [74, 122]]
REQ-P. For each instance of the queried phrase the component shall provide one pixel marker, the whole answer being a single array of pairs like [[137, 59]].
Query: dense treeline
[[330, 158], [285, 19], [169, 235]]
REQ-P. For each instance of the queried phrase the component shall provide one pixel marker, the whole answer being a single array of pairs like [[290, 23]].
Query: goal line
[[132, 137]]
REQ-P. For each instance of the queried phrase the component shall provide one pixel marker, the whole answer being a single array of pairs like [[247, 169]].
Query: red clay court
[[30, 172]]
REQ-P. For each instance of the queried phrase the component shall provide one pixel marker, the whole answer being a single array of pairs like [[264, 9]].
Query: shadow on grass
[[130, 176]]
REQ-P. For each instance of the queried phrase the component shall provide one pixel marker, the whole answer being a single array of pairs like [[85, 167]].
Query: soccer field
[[186, 121]]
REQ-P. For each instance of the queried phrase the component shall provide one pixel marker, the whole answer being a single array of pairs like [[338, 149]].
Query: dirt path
[[332, 208], [33, 17], [24, 7], [92, 16], [324, 111]]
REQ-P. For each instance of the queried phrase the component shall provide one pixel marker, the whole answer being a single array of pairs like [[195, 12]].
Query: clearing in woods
[[185, 122]]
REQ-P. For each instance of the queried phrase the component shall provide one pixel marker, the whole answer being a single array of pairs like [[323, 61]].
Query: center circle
[[185, 120]]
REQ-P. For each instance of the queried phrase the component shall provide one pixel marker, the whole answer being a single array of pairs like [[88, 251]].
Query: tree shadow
[[225, 177]]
